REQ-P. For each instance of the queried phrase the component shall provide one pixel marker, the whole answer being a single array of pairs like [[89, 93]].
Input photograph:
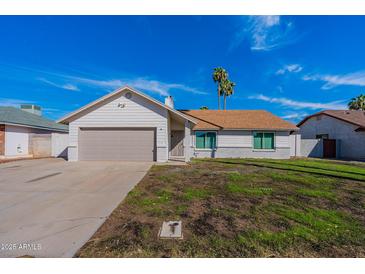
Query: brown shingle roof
[[355, 117], [238, 119]]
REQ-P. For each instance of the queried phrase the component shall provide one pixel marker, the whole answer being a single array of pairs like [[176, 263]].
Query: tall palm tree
[[228, 90], [219, 76], [357, 103]]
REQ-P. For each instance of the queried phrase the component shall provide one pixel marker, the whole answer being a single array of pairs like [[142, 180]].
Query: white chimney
[[169, 101]]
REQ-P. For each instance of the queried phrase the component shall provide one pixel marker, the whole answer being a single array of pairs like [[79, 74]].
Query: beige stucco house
[[129, 125], [334, 134], [25, 133]]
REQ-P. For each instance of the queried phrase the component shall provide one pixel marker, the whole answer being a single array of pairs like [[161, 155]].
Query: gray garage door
[[117, 144]]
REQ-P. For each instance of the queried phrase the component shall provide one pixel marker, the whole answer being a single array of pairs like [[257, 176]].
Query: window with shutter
[[263, 140], [205, 139]]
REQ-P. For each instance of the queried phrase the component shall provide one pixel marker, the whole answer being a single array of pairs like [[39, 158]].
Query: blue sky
[[289, 65]]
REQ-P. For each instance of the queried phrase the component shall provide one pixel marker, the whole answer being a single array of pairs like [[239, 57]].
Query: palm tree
[[357, 103], [228, 90], [219, 76]]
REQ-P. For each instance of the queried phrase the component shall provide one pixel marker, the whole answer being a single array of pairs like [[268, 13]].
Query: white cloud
[[10, 102], [143, 83], [331, 81], [290, 116], [70, 87], [285, 102], [62, 86], [265, 32], [263, 37], [294, 116], [161, 88], [293, 68]]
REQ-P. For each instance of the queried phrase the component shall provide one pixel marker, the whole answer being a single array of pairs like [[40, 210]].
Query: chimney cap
[[169, 101]]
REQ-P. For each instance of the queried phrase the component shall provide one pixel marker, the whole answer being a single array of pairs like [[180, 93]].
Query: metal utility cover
[[171, 230]]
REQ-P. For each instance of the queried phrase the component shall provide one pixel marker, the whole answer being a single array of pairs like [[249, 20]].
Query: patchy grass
[[301, 178], [309, 166], [237, 188], [241, 208], [195, 193], [317, 193]]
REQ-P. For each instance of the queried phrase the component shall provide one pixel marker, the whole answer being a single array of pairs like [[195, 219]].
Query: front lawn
[[241, 208]]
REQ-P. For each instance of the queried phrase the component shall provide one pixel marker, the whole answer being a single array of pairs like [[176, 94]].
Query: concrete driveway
[[51, 207]]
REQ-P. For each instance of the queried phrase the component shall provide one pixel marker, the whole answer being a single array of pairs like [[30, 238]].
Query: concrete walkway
[[50, 207]]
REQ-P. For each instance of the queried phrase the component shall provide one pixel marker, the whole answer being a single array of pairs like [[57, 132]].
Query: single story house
[[18, 126], [334, 134], [129, 125]]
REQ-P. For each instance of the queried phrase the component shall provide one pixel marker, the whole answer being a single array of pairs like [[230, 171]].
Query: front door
[[177, 142], [329, 148]]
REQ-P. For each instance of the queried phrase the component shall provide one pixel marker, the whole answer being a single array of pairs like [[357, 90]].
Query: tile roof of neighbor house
[[355, 117], [238, 119], [15, 116]]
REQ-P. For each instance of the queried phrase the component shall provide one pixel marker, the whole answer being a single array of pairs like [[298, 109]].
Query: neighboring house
[[129, 125], [334, 134], [21, 131]]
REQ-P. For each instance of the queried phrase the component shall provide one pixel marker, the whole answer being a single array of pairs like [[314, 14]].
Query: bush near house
[[241, 208]]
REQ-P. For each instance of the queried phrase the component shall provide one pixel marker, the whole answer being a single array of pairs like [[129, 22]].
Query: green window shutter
[[211, 138], [205, 139], [257, 140], [200, 139], [268, 140]]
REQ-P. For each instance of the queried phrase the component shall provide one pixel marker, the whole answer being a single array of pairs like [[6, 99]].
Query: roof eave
[[308, 117], [247, 129], [195, 129], [330, 115], [33, 126], [276, 129]]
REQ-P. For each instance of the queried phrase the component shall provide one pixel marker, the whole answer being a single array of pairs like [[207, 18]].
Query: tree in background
[[220, 75], [228, 90], [204, 108], [357, 103]]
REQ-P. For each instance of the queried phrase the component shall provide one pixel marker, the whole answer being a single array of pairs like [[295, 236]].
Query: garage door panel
[[117, 144]]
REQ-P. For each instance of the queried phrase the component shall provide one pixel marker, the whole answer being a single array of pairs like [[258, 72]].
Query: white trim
[[120, 90]]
